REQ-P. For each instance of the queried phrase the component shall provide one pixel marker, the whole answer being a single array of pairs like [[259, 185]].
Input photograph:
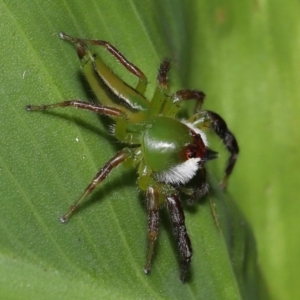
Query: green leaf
[[246, 62]]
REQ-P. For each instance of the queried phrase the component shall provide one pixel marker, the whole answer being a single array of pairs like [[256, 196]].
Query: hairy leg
[[159, 98], [162, 76], [141, 87], [196, 188], [177, 99], [153, 222], [219, 126], [181, 235]]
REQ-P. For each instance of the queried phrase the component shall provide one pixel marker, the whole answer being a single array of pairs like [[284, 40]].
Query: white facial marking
[[181, 173]]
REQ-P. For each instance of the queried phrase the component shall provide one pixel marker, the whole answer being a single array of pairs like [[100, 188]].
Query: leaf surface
[[244, 61]]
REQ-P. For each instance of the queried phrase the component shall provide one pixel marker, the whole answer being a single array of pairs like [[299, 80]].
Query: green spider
[[167, 151]]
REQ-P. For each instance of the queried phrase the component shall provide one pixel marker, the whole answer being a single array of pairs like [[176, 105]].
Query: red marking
[[196, 149]]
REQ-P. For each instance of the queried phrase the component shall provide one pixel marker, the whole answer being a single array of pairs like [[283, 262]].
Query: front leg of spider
[[219, 126], [209, 119], [197, 188], [169, 153]]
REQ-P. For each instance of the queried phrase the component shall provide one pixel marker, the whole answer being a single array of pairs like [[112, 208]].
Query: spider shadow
[[80, 122], [105, 120], [126, 179]]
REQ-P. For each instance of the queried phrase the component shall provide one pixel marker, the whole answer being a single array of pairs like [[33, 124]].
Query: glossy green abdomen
[[163, 143]]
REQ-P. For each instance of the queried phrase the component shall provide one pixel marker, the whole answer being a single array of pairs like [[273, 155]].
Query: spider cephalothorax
[[167, 151]]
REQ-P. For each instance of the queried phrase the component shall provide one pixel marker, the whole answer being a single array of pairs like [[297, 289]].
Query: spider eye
[[196, 149], [191, 154]]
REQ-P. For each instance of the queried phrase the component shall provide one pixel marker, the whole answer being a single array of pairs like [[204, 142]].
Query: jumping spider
[[167, 151]]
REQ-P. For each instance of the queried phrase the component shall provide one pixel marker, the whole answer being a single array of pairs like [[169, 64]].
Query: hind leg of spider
[[153, 222], [120, 157], [181, 235]]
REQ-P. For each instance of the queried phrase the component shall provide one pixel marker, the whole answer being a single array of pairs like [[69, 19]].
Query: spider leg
[[219, 126], [142, 84], [104, 110], [153, 222], [183, 240], [175, 103], [117, 159], [197, 187], [158, 99], [187, 94], [202, 189], [162, 76]]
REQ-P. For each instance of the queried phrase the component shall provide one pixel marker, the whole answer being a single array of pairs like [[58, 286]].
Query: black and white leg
[[153, 222], [196, 188], [180, 232], [219, 126]]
